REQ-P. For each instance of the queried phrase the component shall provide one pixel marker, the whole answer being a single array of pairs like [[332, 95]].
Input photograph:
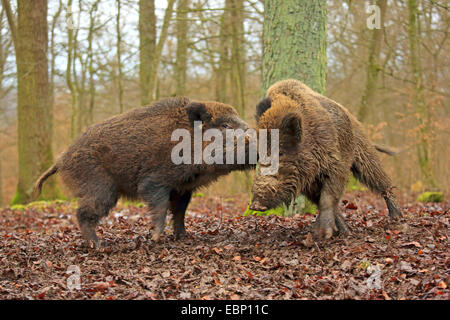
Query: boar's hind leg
[[157, 198], [178, 206], [92, 208], [367, 168]]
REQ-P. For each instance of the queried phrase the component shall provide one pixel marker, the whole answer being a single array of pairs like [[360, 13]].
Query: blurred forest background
[[104, 57]]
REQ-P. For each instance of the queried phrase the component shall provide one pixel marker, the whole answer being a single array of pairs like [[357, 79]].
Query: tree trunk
[[147, 45], [294, 46], [295, 42], [418, 99], [2, 54], [373, 66], [34, 105], [153, 80], [181, 63], [1, 184], [119, 58], [238, 72], [69, 67], [223, 69], [53, 54], [91, 71]]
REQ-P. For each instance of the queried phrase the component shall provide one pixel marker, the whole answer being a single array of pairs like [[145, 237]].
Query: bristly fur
[[262, 107], [318, 160], [130, 155]]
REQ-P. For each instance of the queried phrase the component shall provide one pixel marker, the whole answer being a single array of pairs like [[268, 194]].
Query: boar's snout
[[242, 124], [245, 125], [257, 206]]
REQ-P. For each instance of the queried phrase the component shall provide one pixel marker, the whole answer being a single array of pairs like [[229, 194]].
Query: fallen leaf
[[100, 285], [413, 243], [405, 266], [308, 242]]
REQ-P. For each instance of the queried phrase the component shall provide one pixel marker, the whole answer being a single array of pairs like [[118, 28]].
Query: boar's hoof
[[395, 213], [341, 224], [92, 244], [255, 205], [322, 231], [179, 235], [156, 236], [90, 237]]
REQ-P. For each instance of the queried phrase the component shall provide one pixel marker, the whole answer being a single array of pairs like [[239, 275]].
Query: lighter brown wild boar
[[320, 143], [130, 155]]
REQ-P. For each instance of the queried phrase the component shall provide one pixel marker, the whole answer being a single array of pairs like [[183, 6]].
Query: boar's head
[[272, 190], [215, 115], [224, 118]]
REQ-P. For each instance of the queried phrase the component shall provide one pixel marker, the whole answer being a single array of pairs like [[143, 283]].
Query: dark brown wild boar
[[320, 142], [130, 155]]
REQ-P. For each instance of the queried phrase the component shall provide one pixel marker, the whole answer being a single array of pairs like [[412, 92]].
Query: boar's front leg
[[325, 225], [330, 221], [178, 205], [156, 196]]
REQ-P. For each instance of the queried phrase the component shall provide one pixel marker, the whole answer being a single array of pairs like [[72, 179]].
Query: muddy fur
[[320, 144], [130, 155]]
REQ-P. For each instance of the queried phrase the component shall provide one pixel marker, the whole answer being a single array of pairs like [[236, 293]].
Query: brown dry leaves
[[244, 258]]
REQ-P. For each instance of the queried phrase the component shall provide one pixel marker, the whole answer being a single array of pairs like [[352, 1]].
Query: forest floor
[[226, 255]]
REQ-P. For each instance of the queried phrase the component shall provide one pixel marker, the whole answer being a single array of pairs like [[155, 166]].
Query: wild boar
[[130, 155], [320, 142]]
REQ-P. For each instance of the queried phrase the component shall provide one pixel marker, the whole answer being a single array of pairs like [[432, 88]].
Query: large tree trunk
[[418, 101], [295, 42], [34, 105], [181, 63], [294, 45], [373, 66]]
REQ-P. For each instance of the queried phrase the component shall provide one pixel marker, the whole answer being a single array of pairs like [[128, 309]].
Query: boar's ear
[[292, 126], [197, 111], [262, 107]]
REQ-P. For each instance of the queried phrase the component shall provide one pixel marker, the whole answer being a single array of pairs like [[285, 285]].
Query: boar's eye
[[225, 125]]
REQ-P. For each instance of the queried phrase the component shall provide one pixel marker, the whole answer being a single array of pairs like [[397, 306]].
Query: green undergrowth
[[353, 184], [301, 205], [431, 196]]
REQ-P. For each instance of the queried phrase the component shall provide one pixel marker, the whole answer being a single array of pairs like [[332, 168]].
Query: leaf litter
[[226, 255]]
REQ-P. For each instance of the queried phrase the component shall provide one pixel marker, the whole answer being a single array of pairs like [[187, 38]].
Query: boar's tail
[[38, 185], [385, 150]]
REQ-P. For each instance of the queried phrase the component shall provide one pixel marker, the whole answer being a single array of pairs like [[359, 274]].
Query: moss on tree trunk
[[295, 42], [294, 46]]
